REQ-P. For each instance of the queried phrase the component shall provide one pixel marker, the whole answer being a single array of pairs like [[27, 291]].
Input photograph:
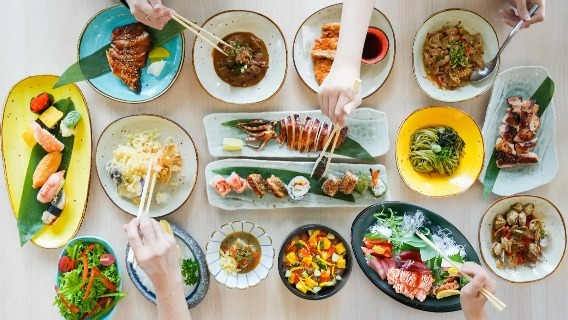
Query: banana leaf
[[542, 96], [349, 148], [96, 64], [31, 210], [286, 176]]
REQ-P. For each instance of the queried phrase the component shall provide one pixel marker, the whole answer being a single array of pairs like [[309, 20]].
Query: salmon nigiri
[[51, 187], [45, 139]]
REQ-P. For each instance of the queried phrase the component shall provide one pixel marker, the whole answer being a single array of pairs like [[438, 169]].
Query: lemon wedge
[[447, 293], [166, 226], [232, 144], [158, 53]]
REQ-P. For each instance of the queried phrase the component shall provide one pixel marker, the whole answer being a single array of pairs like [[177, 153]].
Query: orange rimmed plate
[[470, 163], [16, 155]]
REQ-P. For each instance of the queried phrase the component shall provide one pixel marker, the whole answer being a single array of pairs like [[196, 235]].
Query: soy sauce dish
[[314, 262]]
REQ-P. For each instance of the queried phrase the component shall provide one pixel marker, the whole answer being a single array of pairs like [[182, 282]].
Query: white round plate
[[115, 134], [373, 76], [472, 23], [246, 280], [554, 225], [225, 23]]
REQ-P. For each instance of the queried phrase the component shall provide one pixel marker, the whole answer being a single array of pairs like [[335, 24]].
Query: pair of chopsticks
[[334, 136], [192, 26], [145, 199], [498, 304]]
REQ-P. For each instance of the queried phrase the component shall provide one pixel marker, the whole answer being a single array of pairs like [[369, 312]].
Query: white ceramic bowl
[[240, 281], [225, 23], [554, 225], [472, 23], [373, 76], [115, 134]]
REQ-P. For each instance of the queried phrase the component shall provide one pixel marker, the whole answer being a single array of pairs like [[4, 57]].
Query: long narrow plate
[[361, 226], [367, 126], [248, 200], [189, 249], [16, 155], [523, 82]]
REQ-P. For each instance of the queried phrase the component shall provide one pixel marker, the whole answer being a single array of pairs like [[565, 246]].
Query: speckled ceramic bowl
[[189, 249], [225, 23], [241, 280]]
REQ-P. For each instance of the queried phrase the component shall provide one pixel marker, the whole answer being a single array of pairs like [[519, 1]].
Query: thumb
[[522, 9]]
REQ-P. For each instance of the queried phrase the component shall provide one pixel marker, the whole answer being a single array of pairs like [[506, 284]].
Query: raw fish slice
[[378, 267], [237, 183], [45, 139], [51, 187]]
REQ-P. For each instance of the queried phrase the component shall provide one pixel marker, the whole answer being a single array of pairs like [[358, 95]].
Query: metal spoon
[[489, 67]]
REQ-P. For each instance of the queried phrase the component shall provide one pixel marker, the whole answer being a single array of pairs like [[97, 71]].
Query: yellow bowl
[[470, 164]]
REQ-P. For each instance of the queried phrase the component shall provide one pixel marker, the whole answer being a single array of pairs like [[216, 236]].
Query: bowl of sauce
[[376, 46]]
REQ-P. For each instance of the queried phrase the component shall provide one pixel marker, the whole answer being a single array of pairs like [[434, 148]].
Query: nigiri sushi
[[298, 187], [256, 183], [221, 186], [237, 183], [363, 183], [378, 186], [277, 187], [51, 187], [45, 168], [331, 185], [45, 139], [348, 182], [55, 209]]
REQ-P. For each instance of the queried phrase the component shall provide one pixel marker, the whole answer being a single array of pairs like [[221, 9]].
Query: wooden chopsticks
[[498, 304], [145, 199], [192, 26]]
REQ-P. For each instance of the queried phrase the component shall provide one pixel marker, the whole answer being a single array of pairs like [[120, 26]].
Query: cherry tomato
[[107, 259], [64, 264]]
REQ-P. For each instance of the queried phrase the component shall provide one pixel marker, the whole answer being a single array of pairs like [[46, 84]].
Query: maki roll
[[277, 187], [55, 209], [298, 187], [331, 185], [256, 183], [45, 168], [221, 186], [41, 102], [378, 186], [320, 169], [363, 183], [237, 183], [51, 188], [348, 182]]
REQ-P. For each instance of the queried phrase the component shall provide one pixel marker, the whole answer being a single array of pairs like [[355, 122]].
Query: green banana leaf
[[286, 176], [31, 210], [96, 64], [542, 96], [349, 148]]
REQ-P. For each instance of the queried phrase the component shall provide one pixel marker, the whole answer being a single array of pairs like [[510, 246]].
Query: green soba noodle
[[436, 149]]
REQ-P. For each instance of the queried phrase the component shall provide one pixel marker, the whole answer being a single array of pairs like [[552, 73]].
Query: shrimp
[[45, 139]]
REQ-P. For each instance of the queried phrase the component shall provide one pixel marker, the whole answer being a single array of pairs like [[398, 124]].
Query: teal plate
[[97, 34], [366, 219]]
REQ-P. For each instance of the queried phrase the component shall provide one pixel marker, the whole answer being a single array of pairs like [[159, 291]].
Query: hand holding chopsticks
[[498, 304], [192, 26]]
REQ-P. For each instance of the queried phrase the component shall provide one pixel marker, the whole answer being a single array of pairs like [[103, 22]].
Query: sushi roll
[[45, 168], [54, 211], [321, 168], [363, 183], [331, 185], [41, 102], [51, 188], [277, 187], [237, 183], [45, 139], [221, 186], [298, 187], [378, 186], [69, 124], [256, 183], [348, 182]]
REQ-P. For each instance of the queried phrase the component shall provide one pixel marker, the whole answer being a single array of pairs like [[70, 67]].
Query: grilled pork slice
[[524, 135], [505, 146], [515, 101], [314, 135], [523, 147], [511, 118], [297, 132], [507, 132], [506, 160], [283, 131], [527, 158], [290, 125], [305, 138]]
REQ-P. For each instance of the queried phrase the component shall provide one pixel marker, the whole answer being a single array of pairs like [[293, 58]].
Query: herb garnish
[[458, 56], [190, 271]]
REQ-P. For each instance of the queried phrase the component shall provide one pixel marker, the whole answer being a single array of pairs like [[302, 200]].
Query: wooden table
[[40, 37]]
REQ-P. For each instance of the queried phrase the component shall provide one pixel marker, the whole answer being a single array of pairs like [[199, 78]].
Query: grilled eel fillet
[[127, 56]]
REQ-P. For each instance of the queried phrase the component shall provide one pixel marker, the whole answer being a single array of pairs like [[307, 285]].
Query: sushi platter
[[314, 197]]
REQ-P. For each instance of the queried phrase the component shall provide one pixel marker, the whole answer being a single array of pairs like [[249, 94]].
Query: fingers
[[132, 233], [152, 14], [480, 278], [522, 9], [509, 17], [340, 109], [147, 229]]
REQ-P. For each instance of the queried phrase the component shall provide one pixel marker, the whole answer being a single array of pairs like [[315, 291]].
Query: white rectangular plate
[[522, 82], [366, 126], [248, 200]]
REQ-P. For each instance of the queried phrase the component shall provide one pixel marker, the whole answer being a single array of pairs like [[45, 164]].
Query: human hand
[[471, 298], [157, 255], [522, 6], [335, 95], [150, 12]]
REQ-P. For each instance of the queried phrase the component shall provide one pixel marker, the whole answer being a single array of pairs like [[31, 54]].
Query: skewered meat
[[130, 45], [308, 135]]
